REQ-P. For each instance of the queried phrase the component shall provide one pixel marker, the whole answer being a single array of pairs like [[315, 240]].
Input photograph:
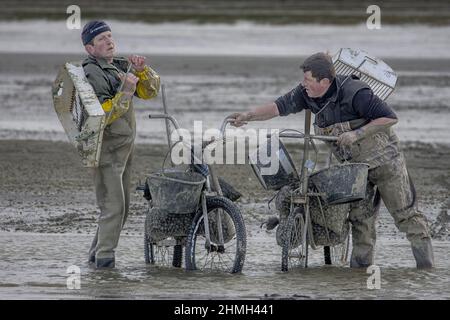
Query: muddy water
[[44, 192], [34, 266]]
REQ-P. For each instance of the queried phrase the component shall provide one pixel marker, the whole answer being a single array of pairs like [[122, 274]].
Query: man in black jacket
[[347, 108]]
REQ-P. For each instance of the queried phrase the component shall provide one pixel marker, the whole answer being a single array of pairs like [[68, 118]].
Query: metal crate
[[373, 71], [79, 112]]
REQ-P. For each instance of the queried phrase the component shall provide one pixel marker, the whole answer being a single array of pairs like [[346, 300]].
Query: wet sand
[[44, 188]]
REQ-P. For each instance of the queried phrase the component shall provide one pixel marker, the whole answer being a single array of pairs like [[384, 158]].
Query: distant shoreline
[[434, 12]]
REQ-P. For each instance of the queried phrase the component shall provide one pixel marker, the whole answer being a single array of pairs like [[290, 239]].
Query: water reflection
[[33, 266]]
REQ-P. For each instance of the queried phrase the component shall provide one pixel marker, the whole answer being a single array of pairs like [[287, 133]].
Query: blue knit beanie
[[93, 28]]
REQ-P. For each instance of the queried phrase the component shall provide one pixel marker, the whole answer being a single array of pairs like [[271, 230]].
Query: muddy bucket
[[342, 183], [176, 192]]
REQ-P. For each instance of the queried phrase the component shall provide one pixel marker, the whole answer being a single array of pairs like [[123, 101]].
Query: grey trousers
[[112, 181]]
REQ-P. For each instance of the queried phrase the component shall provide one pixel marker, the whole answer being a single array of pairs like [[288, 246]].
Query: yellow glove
[[116, 107]]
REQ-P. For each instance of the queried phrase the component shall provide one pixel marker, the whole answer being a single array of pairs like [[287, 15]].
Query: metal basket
[[79, 111], [286, 173], [176, 192], [342, 183], [373, 71]]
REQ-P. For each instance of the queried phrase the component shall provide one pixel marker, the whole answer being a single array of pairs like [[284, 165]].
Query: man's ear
[[89, 48], [325, 82]]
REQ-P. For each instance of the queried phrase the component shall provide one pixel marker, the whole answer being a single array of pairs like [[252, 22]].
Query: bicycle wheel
[[294, 250], [215, 256]]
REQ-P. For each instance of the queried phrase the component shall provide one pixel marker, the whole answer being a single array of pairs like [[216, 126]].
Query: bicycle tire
[[234, 249], [292, 248]]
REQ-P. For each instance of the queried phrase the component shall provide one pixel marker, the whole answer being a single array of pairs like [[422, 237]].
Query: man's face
[[314, 88], [103, 46]]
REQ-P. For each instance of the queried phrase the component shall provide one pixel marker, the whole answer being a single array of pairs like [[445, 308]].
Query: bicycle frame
[[302, 194], [212, 175]]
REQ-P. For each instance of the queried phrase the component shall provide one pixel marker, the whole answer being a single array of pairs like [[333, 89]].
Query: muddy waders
[[112, 181], [389, 174]]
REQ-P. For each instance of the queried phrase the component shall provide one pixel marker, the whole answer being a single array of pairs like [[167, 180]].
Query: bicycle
[[212, 230], [309, 222]]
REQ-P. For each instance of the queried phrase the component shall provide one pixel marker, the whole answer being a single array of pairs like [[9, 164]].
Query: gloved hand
[[129, 83], [138, 62], [348, 138]]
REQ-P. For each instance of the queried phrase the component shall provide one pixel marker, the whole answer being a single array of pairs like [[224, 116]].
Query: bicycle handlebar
[[228, 120], [302, 136], [165, 116]]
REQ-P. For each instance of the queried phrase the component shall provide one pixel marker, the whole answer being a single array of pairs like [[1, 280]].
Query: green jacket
[[104, 78]]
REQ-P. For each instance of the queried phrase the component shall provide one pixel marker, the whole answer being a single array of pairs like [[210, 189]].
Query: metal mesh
[[79, 113], [381, 89], [377, 74]]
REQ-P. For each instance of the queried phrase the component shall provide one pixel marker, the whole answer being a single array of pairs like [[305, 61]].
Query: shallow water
[[241, 38], [33, 266]]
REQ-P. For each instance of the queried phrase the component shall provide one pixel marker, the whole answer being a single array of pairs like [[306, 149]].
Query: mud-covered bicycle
[[318, 202], [192, 208], [327, 194]]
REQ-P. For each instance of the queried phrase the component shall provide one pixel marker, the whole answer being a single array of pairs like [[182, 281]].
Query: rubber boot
[[362, 256], [423, 253], [101, 263]]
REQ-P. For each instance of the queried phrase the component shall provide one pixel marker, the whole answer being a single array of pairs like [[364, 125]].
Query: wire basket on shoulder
[[373, 71]]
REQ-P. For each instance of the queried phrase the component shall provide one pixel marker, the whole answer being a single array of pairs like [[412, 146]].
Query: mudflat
[[44, 188]]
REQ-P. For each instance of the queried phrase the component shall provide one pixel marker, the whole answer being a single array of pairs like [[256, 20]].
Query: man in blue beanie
[[106, 73]]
